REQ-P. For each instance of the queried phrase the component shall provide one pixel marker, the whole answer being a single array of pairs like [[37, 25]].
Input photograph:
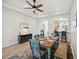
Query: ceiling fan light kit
[[33, 6]]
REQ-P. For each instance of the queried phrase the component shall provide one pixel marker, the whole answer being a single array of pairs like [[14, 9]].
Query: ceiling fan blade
[[28, 8], [38, 6], [29, 3], [39, 10]]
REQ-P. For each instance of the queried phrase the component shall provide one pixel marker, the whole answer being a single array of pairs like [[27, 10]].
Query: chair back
[[35, 47], [63, 33], [56, 33]]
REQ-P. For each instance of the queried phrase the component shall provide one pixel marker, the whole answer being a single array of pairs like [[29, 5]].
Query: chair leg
[[40, 57], [56, 45], [46, 56], [55, 58], [65, 39], [49, 53]]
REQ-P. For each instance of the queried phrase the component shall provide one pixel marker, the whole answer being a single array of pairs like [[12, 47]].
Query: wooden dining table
[[48, 43]]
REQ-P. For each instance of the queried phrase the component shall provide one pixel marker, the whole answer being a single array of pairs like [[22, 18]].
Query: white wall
[[50, 22], [74, 37], [10, 23], [74, 29]]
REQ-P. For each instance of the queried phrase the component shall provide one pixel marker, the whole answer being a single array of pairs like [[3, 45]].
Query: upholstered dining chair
[[64, 36], [37, 53]]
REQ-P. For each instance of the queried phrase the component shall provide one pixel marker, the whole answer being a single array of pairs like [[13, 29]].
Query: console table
[[24, 38]]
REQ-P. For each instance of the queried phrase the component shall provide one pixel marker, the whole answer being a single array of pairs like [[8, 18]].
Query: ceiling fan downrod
[[34, 2]]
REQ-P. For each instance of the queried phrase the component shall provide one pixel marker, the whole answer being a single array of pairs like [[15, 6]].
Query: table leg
[[49, 53], [56, 45]]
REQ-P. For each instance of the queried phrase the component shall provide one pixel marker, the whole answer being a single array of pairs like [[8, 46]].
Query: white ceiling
[[50, 7]]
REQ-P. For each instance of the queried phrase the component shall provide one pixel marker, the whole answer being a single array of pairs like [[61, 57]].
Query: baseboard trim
[[73, 52], [10, 43]]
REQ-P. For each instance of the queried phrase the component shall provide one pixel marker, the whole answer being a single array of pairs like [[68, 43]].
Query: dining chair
[[56, 33], [64, 36], [36, 36], [37, 52]]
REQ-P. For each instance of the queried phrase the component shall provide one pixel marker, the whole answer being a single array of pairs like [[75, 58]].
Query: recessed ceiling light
[[57, 9], [25, 6]]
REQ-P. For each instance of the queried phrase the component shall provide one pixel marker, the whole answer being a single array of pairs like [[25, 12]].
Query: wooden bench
[[61, 52]]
